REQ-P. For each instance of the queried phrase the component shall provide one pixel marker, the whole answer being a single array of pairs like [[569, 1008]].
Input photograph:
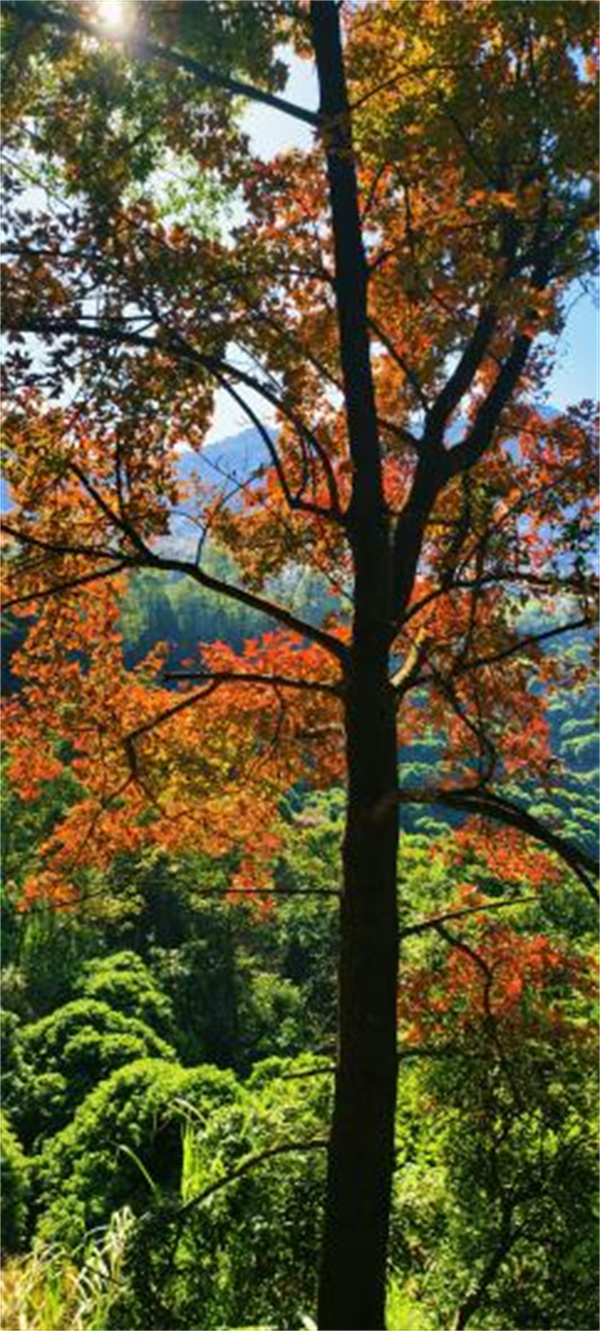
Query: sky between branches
[[576, 374]]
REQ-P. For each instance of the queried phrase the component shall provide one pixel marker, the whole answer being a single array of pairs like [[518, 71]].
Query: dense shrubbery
[[15, 1188], [123, 1143], [69, 1052], [118, 1109], [126, 985], [495, 1195], [239, 1245]]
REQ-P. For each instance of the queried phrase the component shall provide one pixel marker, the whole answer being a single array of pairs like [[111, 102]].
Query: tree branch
[[529, 641], [213, 680], [435, 920], [68, 585], [294, 501], [152, 51], [256, 677], [396, 356], [178, 347], [479, 437], [148, 559], [490, 1016], [461, 378], [285, 1148], [487, 805], [506, 1239], [262, 604]]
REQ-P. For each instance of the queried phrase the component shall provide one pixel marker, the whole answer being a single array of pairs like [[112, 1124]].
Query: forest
[[300, 744]]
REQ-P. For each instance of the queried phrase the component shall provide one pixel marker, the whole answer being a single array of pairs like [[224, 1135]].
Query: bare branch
[[461, 378], [251, 1162], [262, 604], [434, 920], [294, 501], [67, 585], [523, 643], [479, 437], [256, 677], [392, 350], [178, 347], [507, 1237]]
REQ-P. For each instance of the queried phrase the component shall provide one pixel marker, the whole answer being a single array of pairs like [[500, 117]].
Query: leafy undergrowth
[[403, 1314], [48, 1290]]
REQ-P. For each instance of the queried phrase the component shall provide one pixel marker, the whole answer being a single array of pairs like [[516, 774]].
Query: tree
[[69, 1052], [494, 1192], [393, 295]]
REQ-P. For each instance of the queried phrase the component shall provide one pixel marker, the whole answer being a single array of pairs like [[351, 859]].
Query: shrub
[[124, 1142], [240, 1247], [69, 1052], [15, 1188], [126, 984]]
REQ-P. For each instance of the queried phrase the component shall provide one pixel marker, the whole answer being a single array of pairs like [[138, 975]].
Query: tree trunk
[[361, 1150]]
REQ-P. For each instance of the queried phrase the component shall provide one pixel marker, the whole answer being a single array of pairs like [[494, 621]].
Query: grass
[[48, 1291]]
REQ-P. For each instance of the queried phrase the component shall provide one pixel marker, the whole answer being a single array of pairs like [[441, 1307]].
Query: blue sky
[[576, 373], [271, 132]]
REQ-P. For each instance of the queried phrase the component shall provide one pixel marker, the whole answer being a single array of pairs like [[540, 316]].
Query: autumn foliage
[[383, 307]]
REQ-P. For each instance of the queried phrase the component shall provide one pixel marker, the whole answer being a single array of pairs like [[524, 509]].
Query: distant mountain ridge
[[233, 458], [227, 464], [236, 457]]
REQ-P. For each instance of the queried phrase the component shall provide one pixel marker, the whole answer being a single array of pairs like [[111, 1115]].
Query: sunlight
[[115, 15]]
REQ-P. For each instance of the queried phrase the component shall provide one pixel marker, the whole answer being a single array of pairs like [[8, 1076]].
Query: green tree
[[70, 1051], [14, 1172], [240, 1243], [125, 983]]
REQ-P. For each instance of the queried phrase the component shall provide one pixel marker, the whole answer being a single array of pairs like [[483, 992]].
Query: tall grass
[[48, 1291]]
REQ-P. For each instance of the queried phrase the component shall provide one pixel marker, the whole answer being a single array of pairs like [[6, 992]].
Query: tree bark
[[361, 1147], [361, 1150]]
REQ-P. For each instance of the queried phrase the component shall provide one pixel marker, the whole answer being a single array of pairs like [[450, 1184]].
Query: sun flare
[[114, 15]]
